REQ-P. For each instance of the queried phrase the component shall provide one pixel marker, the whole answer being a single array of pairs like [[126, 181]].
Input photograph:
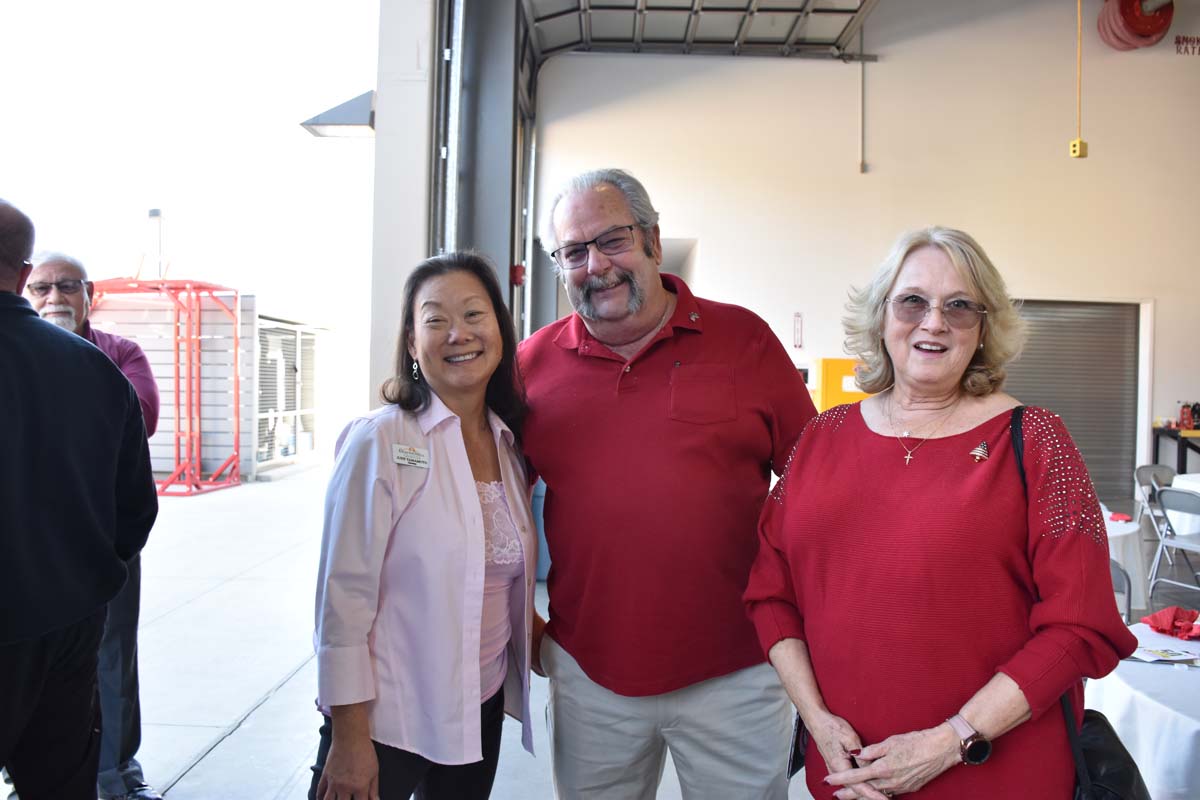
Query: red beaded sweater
[[913, 584]]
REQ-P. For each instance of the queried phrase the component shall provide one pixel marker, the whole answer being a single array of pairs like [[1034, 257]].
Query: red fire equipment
[[186, 477]]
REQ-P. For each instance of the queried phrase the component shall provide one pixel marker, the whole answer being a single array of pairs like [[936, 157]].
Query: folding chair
[[1158, 520], [1146, 476], [1185, 502], [1123, 586]]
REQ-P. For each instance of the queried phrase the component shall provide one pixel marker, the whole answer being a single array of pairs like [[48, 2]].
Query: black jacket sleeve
[[136, 494]]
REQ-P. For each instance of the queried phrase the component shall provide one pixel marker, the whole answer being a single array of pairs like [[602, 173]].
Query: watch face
[[977, 752]]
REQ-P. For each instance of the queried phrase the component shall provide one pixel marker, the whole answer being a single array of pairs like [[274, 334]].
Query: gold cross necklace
[[908, 452]]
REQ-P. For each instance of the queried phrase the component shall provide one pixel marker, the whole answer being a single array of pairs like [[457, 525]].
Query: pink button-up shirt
[[400, 585]]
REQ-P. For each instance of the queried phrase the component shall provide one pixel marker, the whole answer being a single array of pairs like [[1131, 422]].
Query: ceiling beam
[[531, 29], [855, 24], [585, 24], [747, 23], [639, 26], [693, 24]]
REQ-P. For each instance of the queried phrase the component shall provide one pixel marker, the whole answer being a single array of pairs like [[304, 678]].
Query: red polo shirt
[[656, 471]]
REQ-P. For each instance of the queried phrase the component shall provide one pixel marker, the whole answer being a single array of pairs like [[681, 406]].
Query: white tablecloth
[[1155, 709], [1185, 524], [1125, 546]]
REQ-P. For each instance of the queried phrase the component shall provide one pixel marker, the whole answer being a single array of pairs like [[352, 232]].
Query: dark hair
[[16, 239], [505, 392]]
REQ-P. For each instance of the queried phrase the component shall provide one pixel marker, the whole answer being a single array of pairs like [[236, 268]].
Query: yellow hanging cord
[[1078, 69]]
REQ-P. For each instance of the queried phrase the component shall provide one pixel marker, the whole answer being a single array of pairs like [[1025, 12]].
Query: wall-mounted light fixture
[[352, 118]]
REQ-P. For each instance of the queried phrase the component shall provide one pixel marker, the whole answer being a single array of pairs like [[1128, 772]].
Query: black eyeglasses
[[612, 242], [958, 313], [40, 289]]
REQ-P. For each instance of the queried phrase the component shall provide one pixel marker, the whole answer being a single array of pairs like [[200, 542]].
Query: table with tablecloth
[[1125, 547], [1155, 709], [1185, 524]]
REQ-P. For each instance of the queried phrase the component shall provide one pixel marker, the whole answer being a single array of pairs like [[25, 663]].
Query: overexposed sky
[[109, 109]]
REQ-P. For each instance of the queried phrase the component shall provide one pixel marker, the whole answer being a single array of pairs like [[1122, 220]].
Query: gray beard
[[637, 296], [67, 323]]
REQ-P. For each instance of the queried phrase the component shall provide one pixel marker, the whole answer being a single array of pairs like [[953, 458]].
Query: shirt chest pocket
[[703, 394]]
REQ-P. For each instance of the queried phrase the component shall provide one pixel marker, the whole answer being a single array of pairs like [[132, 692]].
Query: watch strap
[[962, 728]]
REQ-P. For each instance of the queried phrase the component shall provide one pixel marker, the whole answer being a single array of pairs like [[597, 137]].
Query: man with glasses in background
[[656, 418], [60, 292], [78, 502]]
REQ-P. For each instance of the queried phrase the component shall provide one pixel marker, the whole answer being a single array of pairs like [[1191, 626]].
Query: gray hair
[[49, 257], [1005, 330], [630, 187]]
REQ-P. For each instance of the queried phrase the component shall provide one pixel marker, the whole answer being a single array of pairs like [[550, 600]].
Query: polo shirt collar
[[437, 412], [686, 315]]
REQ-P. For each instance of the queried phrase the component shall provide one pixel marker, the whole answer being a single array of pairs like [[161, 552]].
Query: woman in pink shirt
[[425, 589]]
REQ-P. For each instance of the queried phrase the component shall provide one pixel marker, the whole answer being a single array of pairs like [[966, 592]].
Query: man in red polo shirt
[[656, 418]]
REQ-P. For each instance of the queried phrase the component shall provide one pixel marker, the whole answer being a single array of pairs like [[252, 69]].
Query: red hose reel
[[1130, 24]]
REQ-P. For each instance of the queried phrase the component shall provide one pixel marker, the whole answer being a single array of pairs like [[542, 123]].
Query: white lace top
[[504, 568]]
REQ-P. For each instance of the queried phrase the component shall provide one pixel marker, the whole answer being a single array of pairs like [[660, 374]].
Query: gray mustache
[[598, 284]]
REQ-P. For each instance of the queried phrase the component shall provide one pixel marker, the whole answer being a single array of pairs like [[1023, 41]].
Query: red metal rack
[[187, 477]]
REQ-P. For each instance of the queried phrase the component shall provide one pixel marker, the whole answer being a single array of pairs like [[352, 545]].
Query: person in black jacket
[[77, 501]]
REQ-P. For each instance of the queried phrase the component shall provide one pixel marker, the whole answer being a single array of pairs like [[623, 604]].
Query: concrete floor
[[225, 646], [228, 675]]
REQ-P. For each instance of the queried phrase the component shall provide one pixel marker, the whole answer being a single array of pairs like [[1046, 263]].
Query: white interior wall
[[969, 112]]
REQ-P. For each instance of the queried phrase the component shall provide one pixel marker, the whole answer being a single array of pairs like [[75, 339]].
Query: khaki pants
[[728, 736]]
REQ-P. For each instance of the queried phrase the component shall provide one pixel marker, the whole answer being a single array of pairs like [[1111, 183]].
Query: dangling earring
[[416, 372]]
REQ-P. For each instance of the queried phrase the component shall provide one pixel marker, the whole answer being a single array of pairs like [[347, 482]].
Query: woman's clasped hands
[[897, 765]]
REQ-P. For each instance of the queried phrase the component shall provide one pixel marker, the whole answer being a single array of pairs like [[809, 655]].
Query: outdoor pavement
[[227, 669]]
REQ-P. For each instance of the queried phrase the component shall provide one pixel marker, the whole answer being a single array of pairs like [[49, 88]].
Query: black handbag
[[799, 747], [1104, 770]]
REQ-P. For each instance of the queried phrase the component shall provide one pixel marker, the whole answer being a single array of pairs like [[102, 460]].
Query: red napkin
[[1118, 517], [1175, 621]]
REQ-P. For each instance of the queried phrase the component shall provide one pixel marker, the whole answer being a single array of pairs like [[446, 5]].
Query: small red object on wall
[[516, 275]]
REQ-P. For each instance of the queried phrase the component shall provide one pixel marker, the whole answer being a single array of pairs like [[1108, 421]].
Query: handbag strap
[[1081, 773], [1018, 443]]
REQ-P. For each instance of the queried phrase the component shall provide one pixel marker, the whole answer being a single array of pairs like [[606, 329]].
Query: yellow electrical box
[[1078, 148]]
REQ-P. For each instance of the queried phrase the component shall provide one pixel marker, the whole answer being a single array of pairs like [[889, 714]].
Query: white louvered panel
[[286, 425], [149, 321]]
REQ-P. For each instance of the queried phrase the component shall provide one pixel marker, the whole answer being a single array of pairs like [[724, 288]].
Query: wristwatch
[[972, 747]]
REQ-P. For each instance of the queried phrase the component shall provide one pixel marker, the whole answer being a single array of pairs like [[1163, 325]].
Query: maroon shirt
[[134, 365], [656, 471]]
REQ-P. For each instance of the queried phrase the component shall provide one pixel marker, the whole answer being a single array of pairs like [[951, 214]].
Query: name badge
[[410, 456]]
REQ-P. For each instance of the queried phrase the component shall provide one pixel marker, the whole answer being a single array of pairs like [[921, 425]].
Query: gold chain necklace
[[908, 452]]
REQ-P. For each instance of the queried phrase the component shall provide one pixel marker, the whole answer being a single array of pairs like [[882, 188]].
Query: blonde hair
[[1004, 330]]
